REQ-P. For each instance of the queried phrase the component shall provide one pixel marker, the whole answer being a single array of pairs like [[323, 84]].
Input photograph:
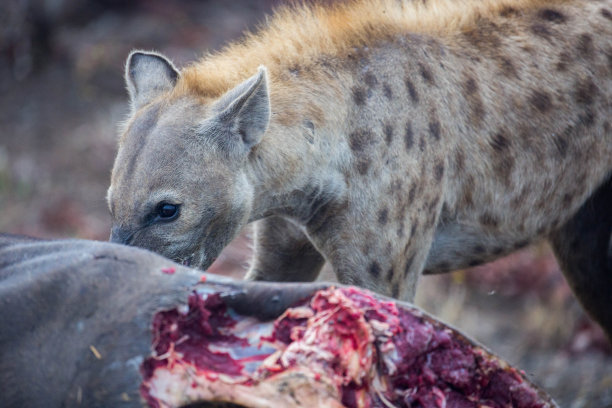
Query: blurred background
[[62, 95]]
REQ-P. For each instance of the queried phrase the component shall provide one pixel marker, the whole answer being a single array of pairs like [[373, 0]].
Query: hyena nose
[[120, 235]]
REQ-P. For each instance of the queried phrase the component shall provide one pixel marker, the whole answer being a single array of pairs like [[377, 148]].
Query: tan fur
[[298, 35]]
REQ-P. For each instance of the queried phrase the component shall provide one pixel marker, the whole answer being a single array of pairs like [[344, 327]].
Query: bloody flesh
[[355, 350]]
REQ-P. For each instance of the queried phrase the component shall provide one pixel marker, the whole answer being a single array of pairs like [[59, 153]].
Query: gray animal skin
[[60, 299], [75, 321]]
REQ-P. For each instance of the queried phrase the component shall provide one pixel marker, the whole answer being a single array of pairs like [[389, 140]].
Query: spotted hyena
[[388, 138]]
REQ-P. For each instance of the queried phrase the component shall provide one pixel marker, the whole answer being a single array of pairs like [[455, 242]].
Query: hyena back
[[386, 138]]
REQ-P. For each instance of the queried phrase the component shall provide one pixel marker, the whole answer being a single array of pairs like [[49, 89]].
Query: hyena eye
[[166, 211]]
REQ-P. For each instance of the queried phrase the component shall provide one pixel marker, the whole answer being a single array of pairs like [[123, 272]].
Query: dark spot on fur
[[424, 168], [489, 220], [606, 13], [426, 74], [412, 193], [474, 262], [360, 143], [413, 229], [541, 101], [460, 161], [552, 15], [439, 171], [497, 251], [587, 118], [540, 30], [479, 250], [388, 131], [467, 199], [412, 91], [499, 142], [484, 36], [400, 229], [359, 96], [507, 67], [567, 199], [383, 216], [434, 129], [585, 92], [390, 273], [528, 49], [360, 140], [606, 126], [433, 204], [564, 61], [395, 291], [585, 45], [477, 111], [408, 137], [508, 12], [387, 91], [402, 209], [422, 144], [561, 145], [408, 266], [431, 222], [370, 80], [368, 240], [503, 166], [470, 86], [363, 165], [519, 200], [374, 269]]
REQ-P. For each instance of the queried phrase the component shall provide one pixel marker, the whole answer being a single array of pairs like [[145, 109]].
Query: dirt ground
[[62, 96]]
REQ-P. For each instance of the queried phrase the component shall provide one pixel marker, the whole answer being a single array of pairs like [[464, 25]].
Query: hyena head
[[179, 185]]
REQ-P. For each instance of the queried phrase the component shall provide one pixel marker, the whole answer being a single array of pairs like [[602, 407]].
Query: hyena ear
[[147, 75], [245, 110]]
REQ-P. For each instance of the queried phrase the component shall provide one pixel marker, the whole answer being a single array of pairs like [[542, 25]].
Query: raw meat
[[342, 347]]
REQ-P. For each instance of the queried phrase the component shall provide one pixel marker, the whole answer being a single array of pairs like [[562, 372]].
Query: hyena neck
[[295, 170]]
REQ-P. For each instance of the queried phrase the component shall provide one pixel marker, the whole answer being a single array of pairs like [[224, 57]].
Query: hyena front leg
[[387, 260], [584, 249], [283, 253]]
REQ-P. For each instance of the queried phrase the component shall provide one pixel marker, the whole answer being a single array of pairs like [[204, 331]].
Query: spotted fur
[[385, 137]]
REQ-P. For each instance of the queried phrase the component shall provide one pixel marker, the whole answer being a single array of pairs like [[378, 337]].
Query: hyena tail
[[584, 249]]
